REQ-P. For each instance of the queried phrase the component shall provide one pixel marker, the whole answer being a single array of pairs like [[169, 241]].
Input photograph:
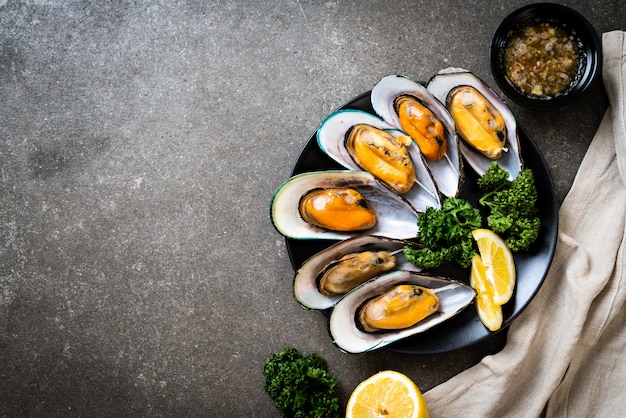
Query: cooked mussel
[[295, 210], [422, 125], [351, 270], [346, 325], [337, 209], [383, 155], [478, 122], [361, 256], [484, 122], [400, 307]]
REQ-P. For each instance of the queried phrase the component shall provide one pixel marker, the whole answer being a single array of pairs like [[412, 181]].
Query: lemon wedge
[[498, 262], [493, 276]]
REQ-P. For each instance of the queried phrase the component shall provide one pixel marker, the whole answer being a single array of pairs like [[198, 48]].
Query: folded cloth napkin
[[566, 353]]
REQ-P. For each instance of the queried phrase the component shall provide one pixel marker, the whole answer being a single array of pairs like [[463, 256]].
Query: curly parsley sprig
[[301, 387], [446, 234], [512, 205]]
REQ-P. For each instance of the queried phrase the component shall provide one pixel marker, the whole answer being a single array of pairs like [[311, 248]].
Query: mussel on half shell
[[456, 88], [308, 278], [395, 217], [348, 334], [434, 127]]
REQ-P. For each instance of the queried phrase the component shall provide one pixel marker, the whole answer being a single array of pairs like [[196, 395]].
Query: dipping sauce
[[541, 59]]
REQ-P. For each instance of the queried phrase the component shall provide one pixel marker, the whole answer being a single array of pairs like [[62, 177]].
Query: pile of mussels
[[398, 162]]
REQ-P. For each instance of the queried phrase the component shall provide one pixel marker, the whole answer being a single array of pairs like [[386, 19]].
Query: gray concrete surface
[[140, 145]]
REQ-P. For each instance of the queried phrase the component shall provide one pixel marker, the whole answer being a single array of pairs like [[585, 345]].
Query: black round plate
[[465, 329]]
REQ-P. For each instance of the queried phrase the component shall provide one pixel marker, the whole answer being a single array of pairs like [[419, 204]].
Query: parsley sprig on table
[[301, 386]]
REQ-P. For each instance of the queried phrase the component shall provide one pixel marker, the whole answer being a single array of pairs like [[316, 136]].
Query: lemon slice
[[490, 313], [498, 263], [387, 394]]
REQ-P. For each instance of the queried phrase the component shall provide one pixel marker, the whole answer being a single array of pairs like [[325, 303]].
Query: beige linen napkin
[[566, 353]]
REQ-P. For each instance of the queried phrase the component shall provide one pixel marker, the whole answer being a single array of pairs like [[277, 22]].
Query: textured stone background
[[140, 145]]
